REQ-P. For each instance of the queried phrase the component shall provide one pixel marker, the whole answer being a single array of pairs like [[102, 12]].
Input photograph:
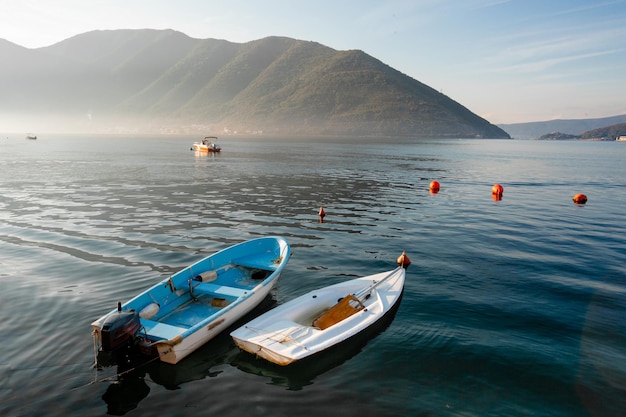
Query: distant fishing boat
[[621, 138], [31, 136], [207, 145]]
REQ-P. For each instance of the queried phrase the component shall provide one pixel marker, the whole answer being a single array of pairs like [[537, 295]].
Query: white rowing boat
[[322, 318]]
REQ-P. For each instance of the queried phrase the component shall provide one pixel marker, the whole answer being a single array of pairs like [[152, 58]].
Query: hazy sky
[[506, 60]]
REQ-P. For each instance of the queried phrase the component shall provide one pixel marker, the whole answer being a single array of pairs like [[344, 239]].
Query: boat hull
[[204, 148], [188, 309], [174, 351], [286, 334]]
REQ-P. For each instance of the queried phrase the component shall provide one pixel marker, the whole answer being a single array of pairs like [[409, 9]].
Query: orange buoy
[[579, 199], [497, 189], [321, 213], [403, 260], [434, 187]]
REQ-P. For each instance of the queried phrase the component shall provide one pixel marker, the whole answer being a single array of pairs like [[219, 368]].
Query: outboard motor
[[119, 331]]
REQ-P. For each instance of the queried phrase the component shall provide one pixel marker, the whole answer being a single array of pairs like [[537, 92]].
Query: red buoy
[[434, 187], [321, 213], [497, 189], [403, 260], [579, 199]]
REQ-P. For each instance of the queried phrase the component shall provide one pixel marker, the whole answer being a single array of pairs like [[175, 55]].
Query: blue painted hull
[[186, 310]]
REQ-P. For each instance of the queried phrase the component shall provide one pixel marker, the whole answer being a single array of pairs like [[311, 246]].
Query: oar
[[366, 291], [348, 305]]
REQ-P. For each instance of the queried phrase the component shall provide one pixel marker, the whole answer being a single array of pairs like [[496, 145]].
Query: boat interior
[[203, 296]]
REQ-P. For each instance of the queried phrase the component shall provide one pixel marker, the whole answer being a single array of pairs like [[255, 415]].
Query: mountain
[[534, 130], [151, 80], [558, 136], [607, 133]]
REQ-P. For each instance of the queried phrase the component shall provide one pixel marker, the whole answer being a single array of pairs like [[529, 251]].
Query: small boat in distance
[[321, 319], [31, 136], [175, 317], [207, 145]]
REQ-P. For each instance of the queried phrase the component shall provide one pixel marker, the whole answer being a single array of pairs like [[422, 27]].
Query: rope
[[119, 374], [374, 284]]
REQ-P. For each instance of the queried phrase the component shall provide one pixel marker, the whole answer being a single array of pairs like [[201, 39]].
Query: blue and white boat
[[181, 313]]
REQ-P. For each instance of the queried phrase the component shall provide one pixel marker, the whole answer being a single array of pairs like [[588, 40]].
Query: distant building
[[621, 138]]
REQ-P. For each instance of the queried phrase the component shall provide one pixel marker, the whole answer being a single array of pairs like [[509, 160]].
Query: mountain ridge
[[154, 80], [605, 133], [534, 130]]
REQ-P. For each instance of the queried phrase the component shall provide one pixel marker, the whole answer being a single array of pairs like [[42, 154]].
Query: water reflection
[[125, 394], [130, 388], [201, 364]]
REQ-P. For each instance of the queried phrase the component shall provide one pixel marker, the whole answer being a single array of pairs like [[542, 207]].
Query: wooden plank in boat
[[345, 308]]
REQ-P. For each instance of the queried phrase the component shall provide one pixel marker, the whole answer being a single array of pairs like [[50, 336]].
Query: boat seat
[[161, 330], [257, 262], [212, 288]]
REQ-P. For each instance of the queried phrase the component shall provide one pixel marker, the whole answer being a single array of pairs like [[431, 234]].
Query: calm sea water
[[511, 308]]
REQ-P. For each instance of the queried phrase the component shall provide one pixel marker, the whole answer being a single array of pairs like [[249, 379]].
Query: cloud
[[544, 49]]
